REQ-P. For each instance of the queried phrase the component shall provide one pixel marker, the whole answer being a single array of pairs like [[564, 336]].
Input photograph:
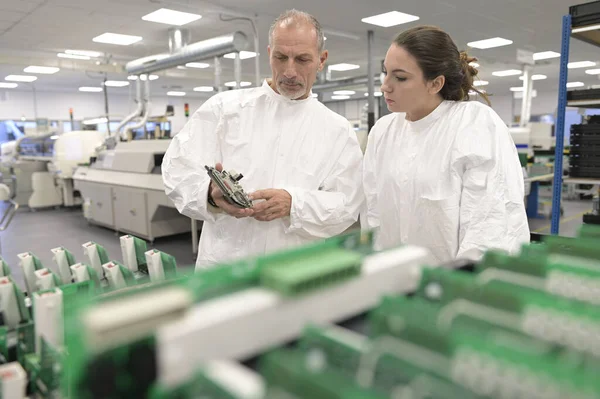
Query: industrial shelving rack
[[580, 16]]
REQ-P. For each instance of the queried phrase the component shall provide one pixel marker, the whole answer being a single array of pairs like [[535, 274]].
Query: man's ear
[[323, 59]]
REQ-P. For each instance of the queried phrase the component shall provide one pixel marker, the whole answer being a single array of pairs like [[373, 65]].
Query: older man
[[303, 159]]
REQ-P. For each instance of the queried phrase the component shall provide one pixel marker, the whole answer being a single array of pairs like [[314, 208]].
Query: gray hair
[[295, 15]]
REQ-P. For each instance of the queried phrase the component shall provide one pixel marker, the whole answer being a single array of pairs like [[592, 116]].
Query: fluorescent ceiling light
[[343, 67], [474, 64], [585, 28], [84, 53], [314, 95], [508, 72], [116, 83], [490, 43], [95, 121], [516, 89], [535, 77], [344, 92], [340, 97], [544, 55], [144, 77], [132, 77], [377, 94], [20, 78], [41, 70], [73, 56], [4, 85], [593, 71], [233, 84], [199, 65], [480, 83], [204, 89], [575, 84], [171, 17], [580, 64], [391, 18], [474, 93], [116, 38], [91, 89], [243, 55], [176, 93]]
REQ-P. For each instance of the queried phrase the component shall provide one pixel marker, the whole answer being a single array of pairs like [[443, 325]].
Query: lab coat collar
[[424, 123], [278, 97]]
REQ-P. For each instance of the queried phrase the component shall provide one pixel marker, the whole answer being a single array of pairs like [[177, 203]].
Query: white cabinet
[[101, 205], [131, 211]]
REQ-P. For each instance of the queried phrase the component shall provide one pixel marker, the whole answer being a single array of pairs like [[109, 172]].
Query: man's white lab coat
[[297, 145]]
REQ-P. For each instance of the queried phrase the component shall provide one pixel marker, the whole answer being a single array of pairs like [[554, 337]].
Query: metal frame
[[560, 124]]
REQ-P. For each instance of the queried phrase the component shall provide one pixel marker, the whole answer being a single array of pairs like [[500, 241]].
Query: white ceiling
[[34, 31]]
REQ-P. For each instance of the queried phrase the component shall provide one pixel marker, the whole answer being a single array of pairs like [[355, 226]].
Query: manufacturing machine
[[123, 189], [43, 167]]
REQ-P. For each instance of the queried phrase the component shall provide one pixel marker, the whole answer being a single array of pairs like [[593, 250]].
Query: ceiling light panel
[[4, 85], [535, 77], [199, 65], [73, 56], [490, 43], [204, 89], [176, 93], [21, 78], [391, 18], [508, 72], [171, 17], [84, 53], [545, 55], [233, 84], [580, 64], [343, 67], [117, 38], [42, 70], [116, 83], [244, 55], [90, 89], [344, 92]]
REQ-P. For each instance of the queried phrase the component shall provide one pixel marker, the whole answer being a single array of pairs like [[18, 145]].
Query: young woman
[[441, 171]]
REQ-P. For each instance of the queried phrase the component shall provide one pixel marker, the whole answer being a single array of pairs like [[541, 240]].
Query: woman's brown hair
[[437, 55]]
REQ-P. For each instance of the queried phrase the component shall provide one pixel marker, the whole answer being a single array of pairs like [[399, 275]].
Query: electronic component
[[13, 381], [229, 185], [64, 260]]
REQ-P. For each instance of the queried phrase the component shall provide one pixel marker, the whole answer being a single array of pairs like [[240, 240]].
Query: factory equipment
[[43, 167], [122, 189], [521, 326]]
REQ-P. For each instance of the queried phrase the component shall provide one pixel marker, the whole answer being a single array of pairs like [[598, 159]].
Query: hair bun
[[466, 61]]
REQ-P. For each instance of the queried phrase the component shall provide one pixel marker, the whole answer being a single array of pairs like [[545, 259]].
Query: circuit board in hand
[[228, 183]]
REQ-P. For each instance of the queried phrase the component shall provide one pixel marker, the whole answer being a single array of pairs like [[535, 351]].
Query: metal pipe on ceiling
[[218, 46], [342, 83], [146, 110], [138, 110]]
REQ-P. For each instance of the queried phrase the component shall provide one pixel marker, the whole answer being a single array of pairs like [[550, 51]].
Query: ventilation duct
[[215, 47]]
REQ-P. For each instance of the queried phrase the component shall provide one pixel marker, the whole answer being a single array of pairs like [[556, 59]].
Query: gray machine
[[123, 190]]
